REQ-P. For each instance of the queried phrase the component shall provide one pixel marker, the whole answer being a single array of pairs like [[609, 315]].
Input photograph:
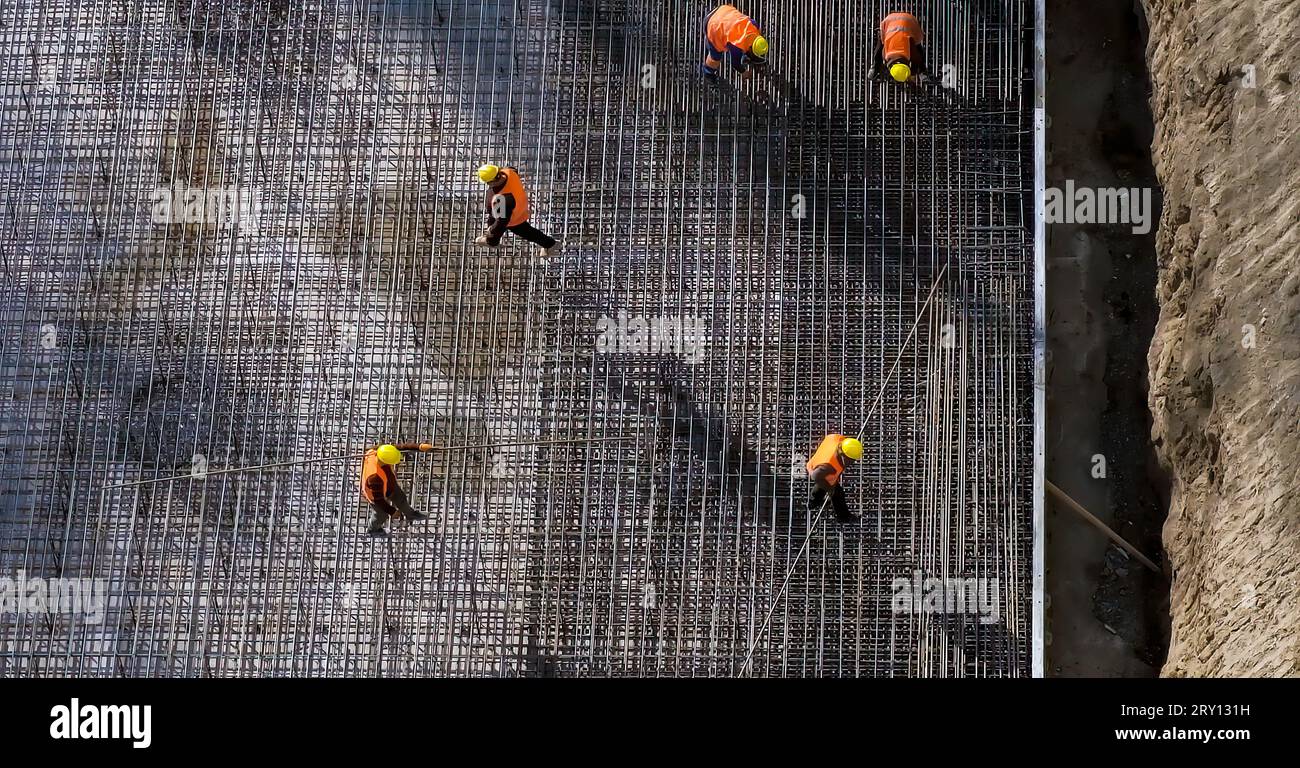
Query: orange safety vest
[[728, 25], [514, 186], [371, 466], [899, 32], [829, 453]]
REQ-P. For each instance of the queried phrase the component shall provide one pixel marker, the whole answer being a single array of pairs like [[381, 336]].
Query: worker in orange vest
[[379, 485], [728, 31], [825, 468], [506, 204], [900, 50]]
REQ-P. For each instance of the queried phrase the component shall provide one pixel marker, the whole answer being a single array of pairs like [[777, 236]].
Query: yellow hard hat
[[488, 173], [852, 448], [760, 46], [900, 72], [389, 454]]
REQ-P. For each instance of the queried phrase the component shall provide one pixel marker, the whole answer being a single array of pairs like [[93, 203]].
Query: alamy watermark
[[230, 205], [952, 595], [40, 596], [634, 334], [103, 721], [1099, 205]]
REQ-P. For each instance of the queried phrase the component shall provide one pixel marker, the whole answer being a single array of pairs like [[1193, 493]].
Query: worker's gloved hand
[[426, 447], [871, 73]]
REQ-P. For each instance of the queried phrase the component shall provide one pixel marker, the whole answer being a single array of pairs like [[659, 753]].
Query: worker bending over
[[900, 50], [379, 485], [825, 468], [506, 205], [727, 31]]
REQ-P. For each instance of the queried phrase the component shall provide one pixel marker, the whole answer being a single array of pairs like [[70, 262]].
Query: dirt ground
[[1107, 615], [1225, 361]]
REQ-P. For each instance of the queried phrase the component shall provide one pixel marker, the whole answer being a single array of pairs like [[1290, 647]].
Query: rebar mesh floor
[[787, 227]]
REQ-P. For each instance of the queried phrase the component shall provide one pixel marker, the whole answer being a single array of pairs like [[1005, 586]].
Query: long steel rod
[[1080, 510], [354, 456]]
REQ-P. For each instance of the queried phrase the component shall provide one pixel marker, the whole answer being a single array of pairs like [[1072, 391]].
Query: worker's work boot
[[546, 253], [481, 240], [377, 523], [413, 516]]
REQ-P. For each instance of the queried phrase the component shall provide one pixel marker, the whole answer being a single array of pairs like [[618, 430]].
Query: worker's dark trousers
[[841, 505], [528, 232], [396, 497]]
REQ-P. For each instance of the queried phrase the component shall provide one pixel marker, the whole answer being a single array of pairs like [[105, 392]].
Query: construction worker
[[827, 465], [506, 205], [379, 485], [900, 50], [728, 31]]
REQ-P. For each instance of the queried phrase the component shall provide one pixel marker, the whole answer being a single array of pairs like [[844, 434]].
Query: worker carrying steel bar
[[506, 205], [825, 468], [727, 31], [900, 50], [379, 485]]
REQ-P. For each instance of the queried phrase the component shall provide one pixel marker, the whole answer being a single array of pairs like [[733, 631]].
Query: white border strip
[[1040, 331]]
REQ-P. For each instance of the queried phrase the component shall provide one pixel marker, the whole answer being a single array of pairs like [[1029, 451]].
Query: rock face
[[1225, 360]]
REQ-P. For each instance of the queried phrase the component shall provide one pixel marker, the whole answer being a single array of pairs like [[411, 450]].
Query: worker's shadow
[[740, 473], [765, 94], [937, 94], [774, 90], [775, 495]]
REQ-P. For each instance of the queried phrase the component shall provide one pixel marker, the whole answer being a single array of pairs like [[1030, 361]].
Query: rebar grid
[[352, 309]]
